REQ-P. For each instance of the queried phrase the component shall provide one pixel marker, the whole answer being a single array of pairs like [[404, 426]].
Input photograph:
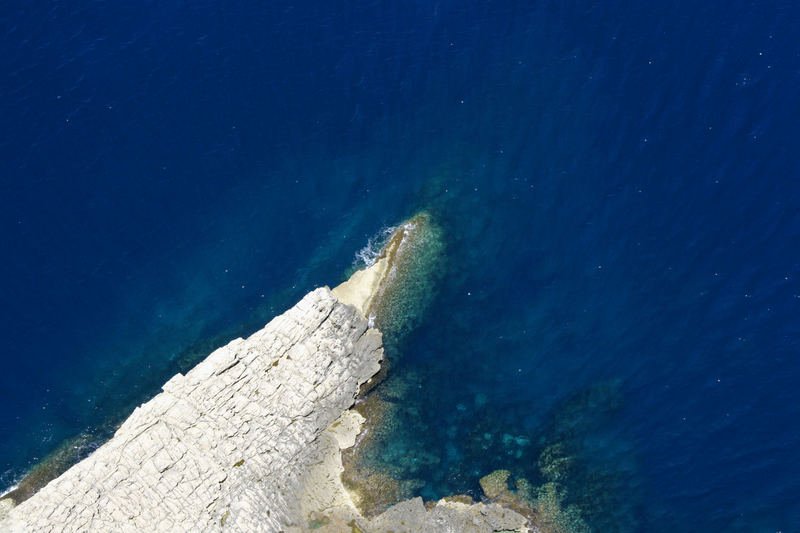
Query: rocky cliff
[[249, 440]]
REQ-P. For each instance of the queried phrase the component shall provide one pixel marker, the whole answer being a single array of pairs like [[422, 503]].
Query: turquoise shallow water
[[616, 185]]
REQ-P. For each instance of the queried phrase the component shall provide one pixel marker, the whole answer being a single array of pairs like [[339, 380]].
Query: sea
[[617, 186]]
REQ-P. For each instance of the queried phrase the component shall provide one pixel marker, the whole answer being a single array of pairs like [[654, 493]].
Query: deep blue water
[[617, 181]]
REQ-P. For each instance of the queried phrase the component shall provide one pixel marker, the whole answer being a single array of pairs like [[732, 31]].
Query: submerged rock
[[495, 484], [49, 468], [544, 507]]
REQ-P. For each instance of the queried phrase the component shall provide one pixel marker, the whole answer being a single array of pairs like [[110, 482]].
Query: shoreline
[[260, 424]]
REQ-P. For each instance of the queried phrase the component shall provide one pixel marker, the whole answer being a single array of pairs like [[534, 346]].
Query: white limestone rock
[[231, 444], [5, 508]]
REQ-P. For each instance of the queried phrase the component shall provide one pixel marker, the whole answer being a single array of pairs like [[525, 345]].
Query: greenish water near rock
[[555, 474], [417, 266]]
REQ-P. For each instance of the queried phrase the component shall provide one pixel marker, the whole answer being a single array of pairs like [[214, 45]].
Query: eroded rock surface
[[231, 445]]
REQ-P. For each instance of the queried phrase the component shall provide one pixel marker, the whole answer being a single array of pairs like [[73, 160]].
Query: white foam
[[9, 490], [370, 253]]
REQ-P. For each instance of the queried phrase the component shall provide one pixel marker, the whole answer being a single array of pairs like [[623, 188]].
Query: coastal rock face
[[235, 444], [250, 440]]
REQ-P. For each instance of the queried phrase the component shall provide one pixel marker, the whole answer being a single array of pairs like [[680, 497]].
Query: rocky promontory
[[250, 440]]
